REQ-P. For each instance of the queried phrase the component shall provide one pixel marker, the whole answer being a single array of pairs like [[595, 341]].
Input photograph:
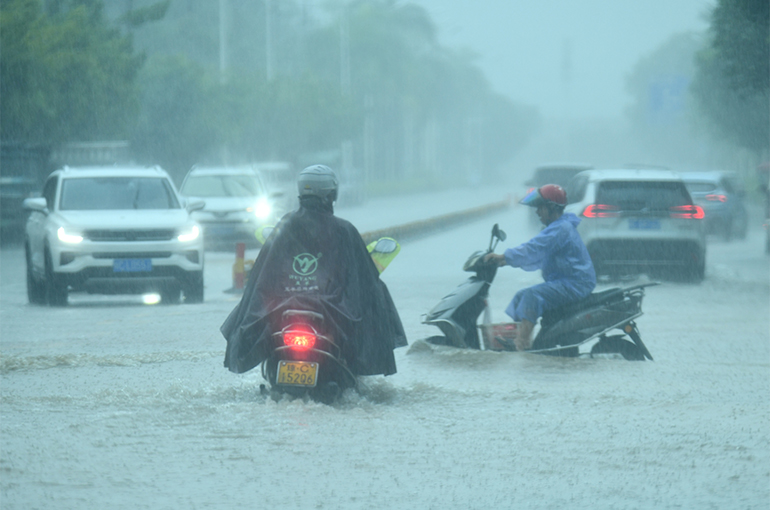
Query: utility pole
[[222, 41], [347, 145], [269, 40]]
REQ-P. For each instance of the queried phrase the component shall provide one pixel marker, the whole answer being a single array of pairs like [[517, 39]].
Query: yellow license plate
[[297, 373]]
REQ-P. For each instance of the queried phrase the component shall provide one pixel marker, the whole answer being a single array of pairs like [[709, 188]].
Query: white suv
[[639, 220], [112, 230]]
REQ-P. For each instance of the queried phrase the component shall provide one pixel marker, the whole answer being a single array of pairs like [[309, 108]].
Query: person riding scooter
[[314, 257], [559, 252]]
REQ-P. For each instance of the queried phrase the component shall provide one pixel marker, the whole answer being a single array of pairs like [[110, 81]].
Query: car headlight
[[262, 209], [68, 237], [189, 235]]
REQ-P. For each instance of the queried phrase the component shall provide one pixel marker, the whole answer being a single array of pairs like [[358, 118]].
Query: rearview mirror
[[195, 205], [498, 233]]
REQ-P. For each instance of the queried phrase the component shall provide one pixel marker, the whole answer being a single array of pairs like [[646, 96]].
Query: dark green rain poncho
[[314, 260]]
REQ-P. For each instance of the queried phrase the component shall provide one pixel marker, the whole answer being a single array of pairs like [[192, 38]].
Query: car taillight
[[601, 211], [299, 336], [716, 198], [693, 212]]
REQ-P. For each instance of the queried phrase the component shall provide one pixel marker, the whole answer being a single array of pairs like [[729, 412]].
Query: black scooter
[[562, 331]]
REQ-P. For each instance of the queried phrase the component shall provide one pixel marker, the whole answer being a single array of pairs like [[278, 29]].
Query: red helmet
[[550, 194]]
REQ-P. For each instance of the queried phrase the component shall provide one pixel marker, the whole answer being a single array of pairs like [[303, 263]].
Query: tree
[[65, 74], [732, 83]]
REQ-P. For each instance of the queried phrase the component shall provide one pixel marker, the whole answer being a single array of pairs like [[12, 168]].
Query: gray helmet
[[319, 181]]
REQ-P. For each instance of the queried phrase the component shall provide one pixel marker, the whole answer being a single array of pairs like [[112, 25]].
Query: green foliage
[[179, 118], [64, 76], [732, 84]]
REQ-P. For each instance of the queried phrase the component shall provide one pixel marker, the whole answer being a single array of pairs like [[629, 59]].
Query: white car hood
[[227, 204], [118, 220]]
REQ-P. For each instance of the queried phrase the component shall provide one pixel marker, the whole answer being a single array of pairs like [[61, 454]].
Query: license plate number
[[297, 373], [644, 224], [131, 265]]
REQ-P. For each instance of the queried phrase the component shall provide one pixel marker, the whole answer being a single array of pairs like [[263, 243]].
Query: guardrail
[[413, 229], [430, 225]]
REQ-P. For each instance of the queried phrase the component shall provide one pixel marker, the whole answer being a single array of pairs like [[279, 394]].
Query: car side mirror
[[195, 205], [35, 204]]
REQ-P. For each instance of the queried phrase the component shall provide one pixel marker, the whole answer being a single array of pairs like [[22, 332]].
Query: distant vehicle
[[13, 217], [763, 172], [721, 194], [112, 230], [639, 221], [237, 203], [279, 177], [553, 173]]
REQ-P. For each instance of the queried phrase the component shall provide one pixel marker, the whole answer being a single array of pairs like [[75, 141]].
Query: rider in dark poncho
[[314, 260]]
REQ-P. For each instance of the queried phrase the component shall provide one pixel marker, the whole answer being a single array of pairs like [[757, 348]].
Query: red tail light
[[716, 198], [693, 212], [601, 211], [299, 336]]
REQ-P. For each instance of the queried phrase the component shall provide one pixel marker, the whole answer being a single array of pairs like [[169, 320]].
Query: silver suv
[[112, 230], [639, 220], [237, 203]]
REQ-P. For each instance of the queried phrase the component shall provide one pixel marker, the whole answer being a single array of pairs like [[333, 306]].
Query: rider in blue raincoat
[[559, 252]]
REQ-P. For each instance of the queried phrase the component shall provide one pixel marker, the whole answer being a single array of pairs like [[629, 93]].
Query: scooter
[[562, 331], [308, 355]]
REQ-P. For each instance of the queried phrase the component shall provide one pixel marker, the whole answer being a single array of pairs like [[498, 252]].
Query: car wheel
[[193, 291], [170, 295], [743, 228], [35, 289], [696, 272], [727, 230], [56, 292]]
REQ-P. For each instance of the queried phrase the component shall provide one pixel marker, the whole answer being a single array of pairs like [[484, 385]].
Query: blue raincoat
[[567, 269]]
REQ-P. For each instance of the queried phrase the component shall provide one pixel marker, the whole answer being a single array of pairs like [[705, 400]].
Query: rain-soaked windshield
[[116, 193], [207, 186]]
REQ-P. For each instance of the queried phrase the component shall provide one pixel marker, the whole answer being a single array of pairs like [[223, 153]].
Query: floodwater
[[112, 404]]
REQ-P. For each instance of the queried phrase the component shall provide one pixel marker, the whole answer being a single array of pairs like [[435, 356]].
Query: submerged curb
[[430, 225]]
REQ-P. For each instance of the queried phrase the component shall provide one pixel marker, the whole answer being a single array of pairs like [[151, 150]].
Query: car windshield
[[116, 193], [207, 186], [700, 187], [641, 195]]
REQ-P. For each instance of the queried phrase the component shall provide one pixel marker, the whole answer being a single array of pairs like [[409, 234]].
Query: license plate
[[644, 224], [131, 265], [297, 373]]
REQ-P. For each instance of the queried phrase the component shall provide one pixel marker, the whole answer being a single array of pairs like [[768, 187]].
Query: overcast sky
[[524, 45]]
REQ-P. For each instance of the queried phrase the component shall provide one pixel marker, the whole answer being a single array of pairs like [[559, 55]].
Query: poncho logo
[[305, 264]]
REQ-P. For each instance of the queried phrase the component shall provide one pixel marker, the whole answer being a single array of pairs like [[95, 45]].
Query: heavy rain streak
[[195, 118]]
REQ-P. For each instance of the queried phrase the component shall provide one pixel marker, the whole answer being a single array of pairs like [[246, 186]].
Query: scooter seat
[[597, 298]]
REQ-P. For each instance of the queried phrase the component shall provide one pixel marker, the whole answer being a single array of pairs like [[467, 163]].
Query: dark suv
[[721, 195]]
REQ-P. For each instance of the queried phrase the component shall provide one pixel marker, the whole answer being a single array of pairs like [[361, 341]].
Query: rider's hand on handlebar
[[498, 259]]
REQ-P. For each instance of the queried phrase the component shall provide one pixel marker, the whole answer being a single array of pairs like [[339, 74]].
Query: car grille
[[133, 255], [130, 235]]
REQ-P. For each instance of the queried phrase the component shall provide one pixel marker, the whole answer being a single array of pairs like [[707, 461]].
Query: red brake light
[[693, 212], [299, 336], [601, 211], [716, 198]]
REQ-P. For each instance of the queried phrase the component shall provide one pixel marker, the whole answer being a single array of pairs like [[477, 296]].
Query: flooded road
[[109, 403]]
